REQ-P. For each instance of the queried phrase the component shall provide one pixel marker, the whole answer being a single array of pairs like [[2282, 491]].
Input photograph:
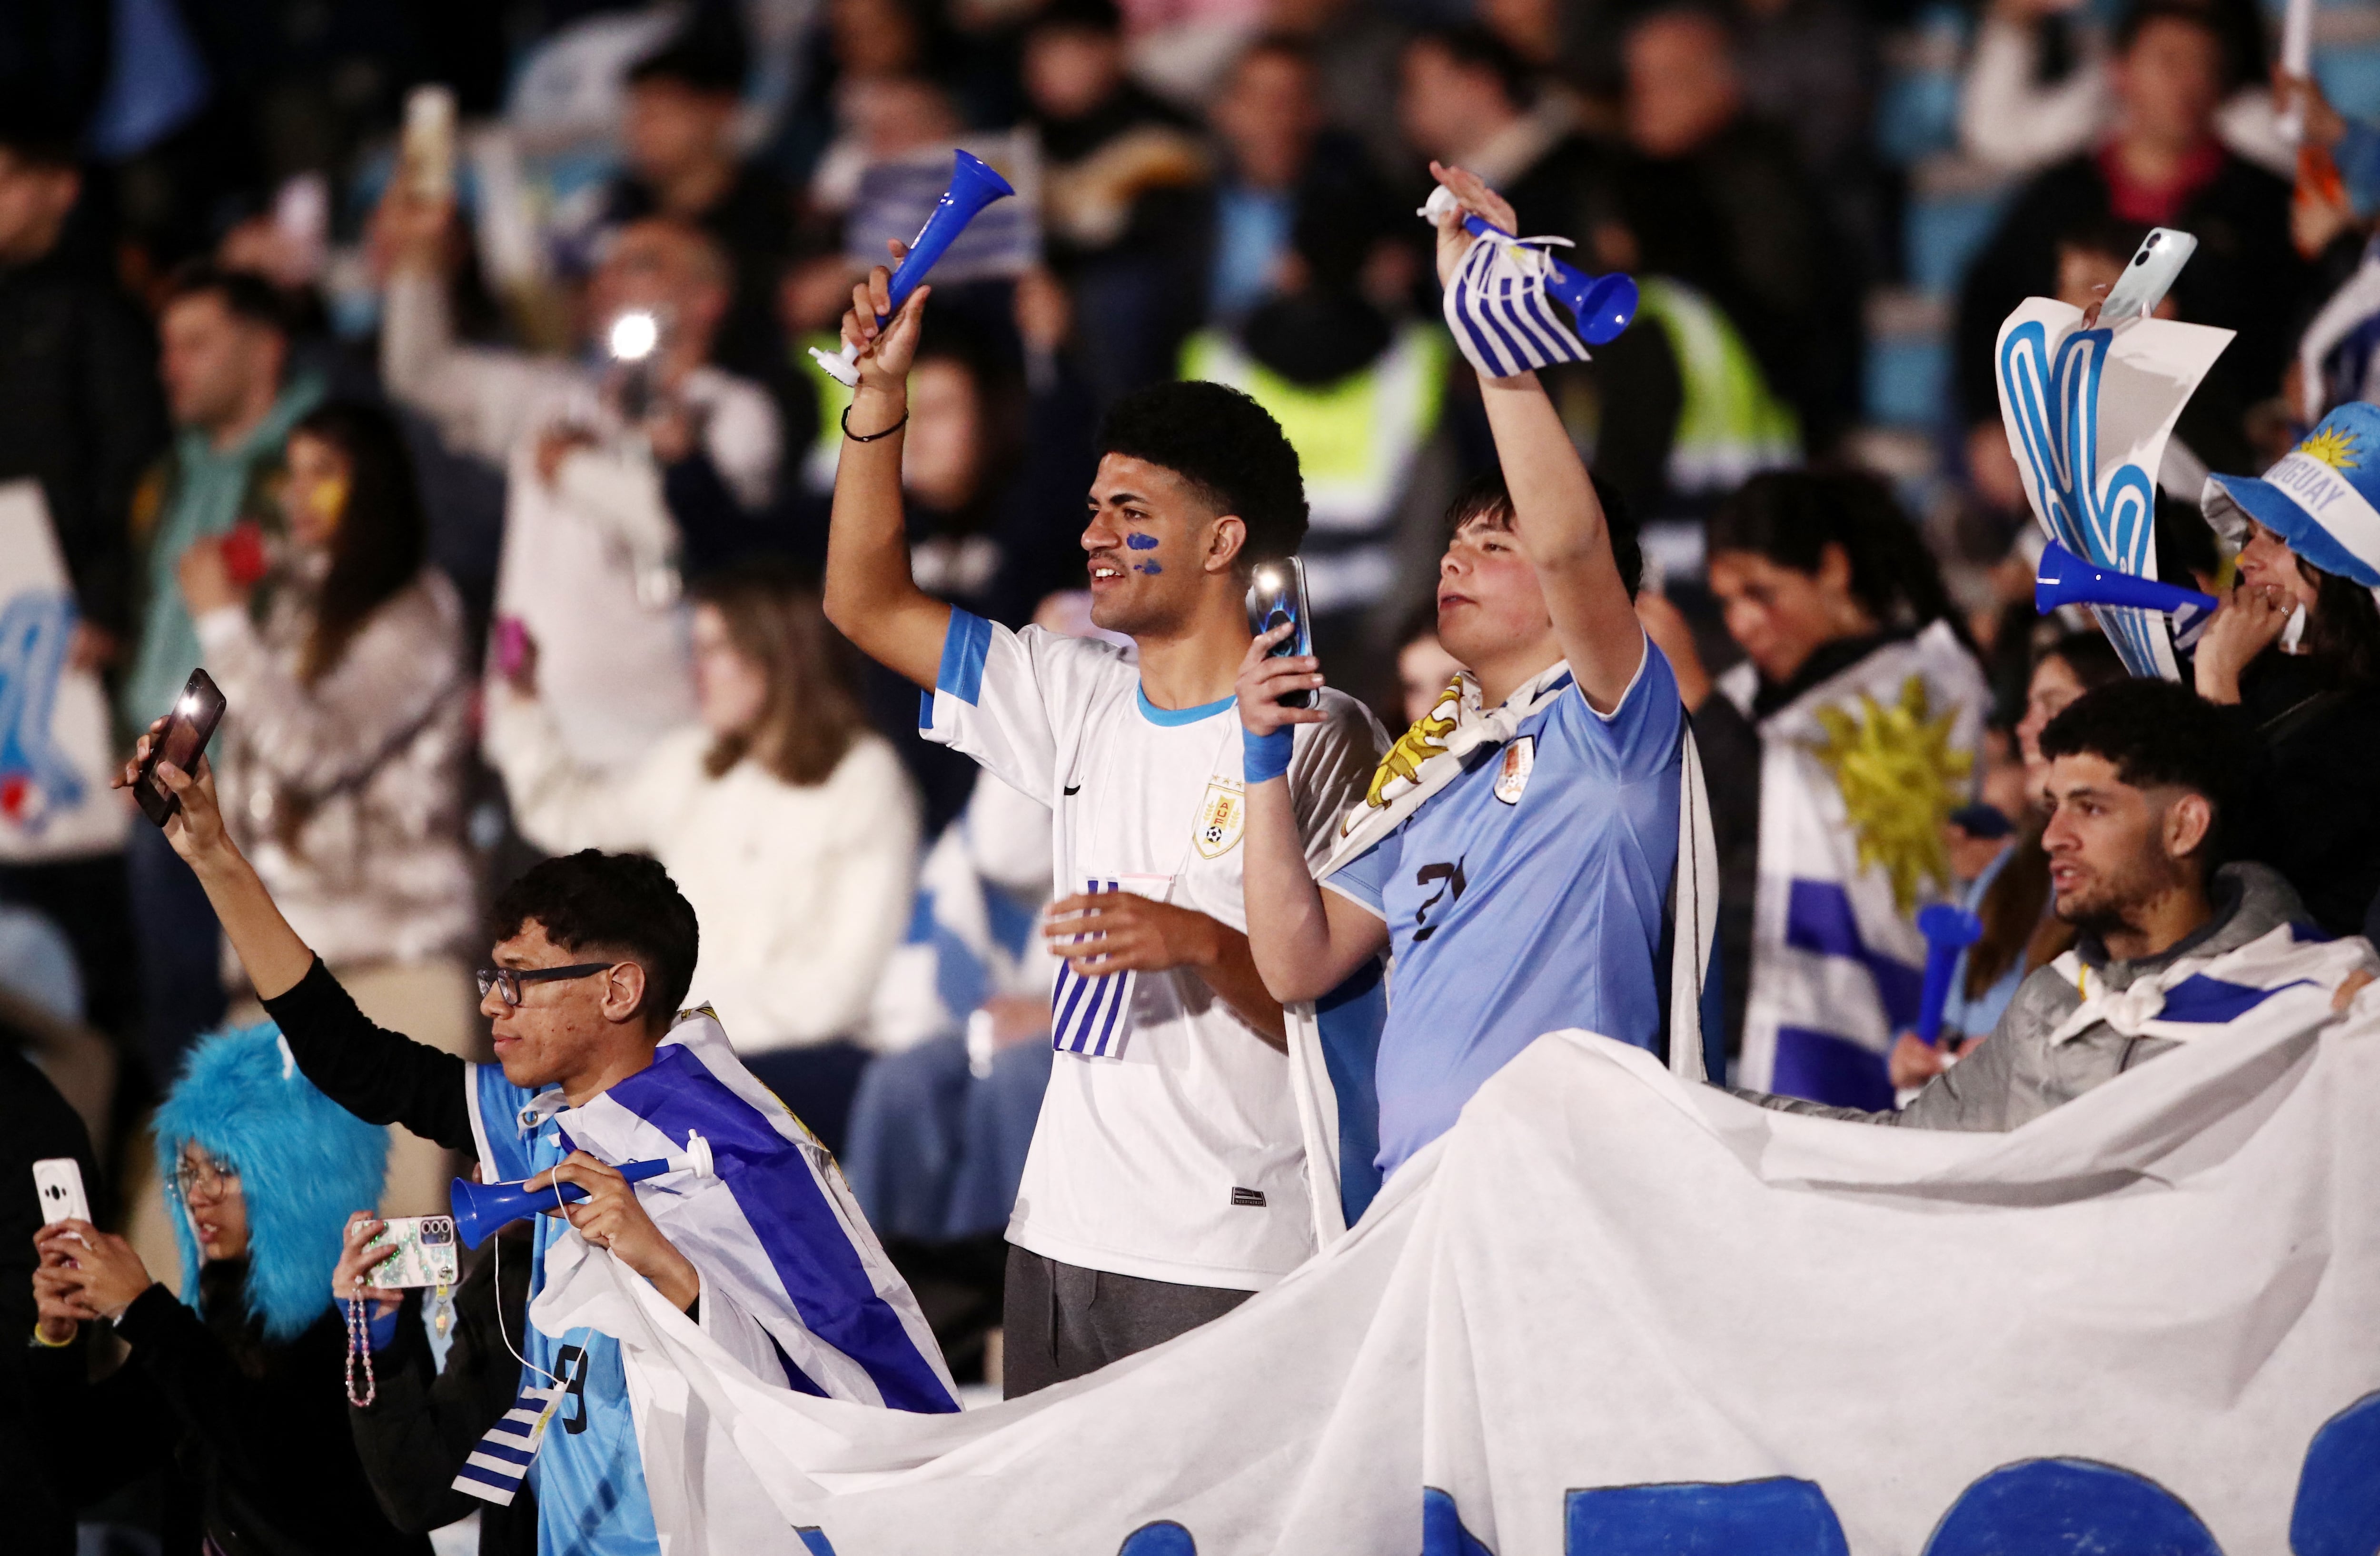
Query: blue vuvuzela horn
[[2064, 579], [1948, 930], [1603, 304], [973, 186], [481, 1208]]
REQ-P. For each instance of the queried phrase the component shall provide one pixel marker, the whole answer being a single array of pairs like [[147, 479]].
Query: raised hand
[[1475, 199], [885, 352], [1263, 681]]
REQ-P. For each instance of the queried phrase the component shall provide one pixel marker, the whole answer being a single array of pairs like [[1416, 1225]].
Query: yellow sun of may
[[1900, 781], [2334, 448]]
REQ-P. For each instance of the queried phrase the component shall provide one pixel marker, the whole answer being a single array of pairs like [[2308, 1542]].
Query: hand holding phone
[[183, 740], [57, 1181], [1278, 596]]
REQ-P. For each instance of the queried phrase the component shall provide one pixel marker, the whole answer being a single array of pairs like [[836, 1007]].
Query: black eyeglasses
[[508, 980]]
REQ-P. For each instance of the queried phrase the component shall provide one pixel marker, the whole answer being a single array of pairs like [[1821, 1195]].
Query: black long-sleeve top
[[377, 1074], [254, 1424], [424, 1422]]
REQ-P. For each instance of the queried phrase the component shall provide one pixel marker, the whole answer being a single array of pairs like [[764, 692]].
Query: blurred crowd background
[[306, 332]]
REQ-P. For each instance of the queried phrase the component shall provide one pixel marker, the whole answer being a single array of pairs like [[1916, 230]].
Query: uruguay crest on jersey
[[1221, 814]]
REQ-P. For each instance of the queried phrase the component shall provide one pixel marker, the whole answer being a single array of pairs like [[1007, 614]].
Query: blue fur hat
[[305, 1165]]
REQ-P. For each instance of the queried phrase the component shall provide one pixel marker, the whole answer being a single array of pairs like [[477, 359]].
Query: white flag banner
[[56, 756], [2088, 413], [1614, 1314]]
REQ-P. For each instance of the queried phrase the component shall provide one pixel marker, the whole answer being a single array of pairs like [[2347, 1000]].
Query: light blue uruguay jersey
[[1527, 895], [588, 1477]]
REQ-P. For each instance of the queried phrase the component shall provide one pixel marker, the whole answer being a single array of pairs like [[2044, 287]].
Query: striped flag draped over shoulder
[[1502, 313]]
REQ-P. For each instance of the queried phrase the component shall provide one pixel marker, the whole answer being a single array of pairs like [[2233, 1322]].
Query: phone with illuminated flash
[[188, 729], [1278, 595]]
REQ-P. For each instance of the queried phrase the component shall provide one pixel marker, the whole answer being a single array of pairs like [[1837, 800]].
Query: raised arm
[[1304, 941], [376, 1075], [870, 596], [1555, 512]]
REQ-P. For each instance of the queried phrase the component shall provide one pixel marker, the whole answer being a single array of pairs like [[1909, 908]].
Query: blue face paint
[[1141, 543], [1149, 567]]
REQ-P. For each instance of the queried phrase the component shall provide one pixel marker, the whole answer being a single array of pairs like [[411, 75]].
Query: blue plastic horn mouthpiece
[[973, 186], [481, 1208]]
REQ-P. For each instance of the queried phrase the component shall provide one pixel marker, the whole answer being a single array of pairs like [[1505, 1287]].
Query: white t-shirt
[[1175, 1156]]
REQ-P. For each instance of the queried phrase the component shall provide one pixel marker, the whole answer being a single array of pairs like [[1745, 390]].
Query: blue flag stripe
[[1819, 916]]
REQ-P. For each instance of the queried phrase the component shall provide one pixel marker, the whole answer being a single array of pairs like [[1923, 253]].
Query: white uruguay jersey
[[1168, 1144]]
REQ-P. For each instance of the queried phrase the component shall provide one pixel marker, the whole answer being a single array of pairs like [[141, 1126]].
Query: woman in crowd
[[1833, 597], [234, 1388], [2296, 649], [340, 755], [789, 825]]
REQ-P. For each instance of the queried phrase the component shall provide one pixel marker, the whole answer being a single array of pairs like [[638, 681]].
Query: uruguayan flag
[[2205, 996], [497, 1467], [1093, 1016], [1502, 313], [1856, 777]]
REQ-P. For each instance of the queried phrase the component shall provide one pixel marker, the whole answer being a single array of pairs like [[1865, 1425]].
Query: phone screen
[[188, 729]]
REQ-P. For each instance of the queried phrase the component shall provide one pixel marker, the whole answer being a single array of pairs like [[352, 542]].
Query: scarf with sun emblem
[[1857, 776]]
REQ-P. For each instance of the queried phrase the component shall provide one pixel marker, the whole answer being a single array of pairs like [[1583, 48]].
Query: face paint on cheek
[[1141, 543], [1152, 568]]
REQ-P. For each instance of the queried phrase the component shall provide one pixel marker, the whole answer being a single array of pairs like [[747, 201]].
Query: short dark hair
[[245, 296], [624, 903], [1476, 47], [2155, 734], [1229, 449], [2236, 29], [1485, 498]]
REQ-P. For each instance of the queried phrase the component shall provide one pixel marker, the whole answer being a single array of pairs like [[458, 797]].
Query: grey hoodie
[[2018, 1075]]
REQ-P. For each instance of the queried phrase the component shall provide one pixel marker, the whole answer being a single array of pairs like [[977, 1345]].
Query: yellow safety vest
[[1731, 425]]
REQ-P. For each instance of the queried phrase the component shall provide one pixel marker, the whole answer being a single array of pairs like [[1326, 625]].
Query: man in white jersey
[[1519, 863], [1166, 1178]]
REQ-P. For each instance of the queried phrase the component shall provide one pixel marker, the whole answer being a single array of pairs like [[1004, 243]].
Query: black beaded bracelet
[[872, 436]]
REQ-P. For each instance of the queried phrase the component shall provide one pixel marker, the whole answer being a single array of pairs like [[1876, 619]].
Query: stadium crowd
[[439, 380]]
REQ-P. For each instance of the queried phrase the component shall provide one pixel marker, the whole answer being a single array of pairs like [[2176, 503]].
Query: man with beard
[[2142, 775]]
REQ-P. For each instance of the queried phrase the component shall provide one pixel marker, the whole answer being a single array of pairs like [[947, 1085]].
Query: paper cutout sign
[[54, 751], [2088, 413]]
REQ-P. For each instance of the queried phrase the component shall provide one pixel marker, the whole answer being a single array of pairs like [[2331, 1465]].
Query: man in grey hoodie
[[2141, 775]]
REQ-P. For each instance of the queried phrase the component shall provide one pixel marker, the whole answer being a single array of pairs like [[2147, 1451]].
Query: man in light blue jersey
[[1516, 848]]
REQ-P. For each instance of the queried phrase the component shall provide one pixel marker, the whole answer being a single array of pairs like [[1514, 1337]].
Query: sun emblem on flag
[[2332, 445], [1900, 781]]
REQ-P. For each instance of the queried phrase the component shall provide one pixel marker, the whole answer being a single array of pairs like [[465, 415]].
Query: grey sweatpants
[[1061, 1320]]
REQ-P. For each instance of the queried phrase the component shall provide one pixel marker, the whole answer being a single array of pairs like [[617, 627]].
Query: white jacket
[[801, 893], [588, 561]]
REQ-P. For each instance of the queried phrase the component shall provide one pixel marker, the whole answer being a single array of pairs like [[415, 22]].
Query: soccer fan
[[1166, 1177], [593, 954], [1515, 902], [2142, 777]]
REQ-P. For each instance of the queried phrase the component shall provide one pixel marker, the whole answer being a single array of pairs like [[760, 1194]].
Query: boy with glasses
[[593, 954]]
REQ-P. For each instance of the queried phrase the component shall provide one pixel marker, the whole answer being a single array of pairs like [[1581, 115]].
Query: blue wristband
[[382, 1331], [1267, 756]]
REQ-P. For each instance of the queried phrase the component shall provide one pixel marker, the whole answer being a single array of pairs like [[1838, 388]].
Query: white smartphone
[[59, 1183], [2150, 275]]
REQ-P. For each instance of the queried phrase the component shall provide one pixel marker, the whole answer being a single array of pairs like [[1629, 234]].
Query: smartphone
[[58, 1182], [422, 1252], [188, 729], [2150, 275], [1278, 595], [426, 153]]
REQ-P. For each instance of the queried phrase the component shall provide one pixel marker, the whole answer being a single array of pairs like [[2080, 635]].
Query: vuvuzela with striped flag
[[1514, 308]]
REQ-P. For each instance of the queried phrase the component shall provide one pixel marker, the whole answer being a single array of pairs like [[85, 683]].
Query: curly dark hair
[[1791, 517], [625, 905], [2157, 734], [1230, 451]]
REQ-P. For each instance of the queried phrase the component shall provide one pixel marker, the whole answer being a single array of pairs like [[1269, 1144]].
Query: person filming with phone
[[592, 960], [231, 1385]]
